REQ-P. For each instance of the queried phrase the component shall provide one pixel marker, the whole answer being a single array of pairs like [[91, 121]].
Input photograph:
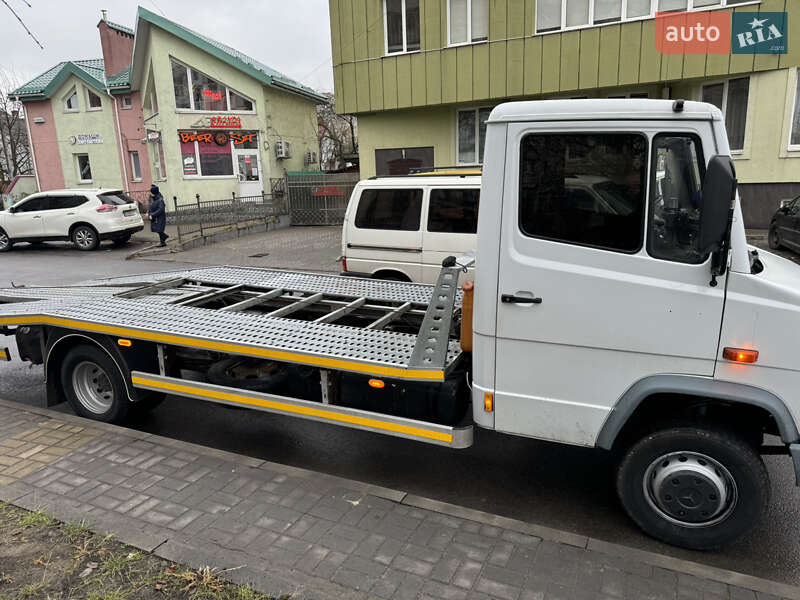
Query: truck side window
[[453, 211], [397, 209], [676, 198], [585, 189]]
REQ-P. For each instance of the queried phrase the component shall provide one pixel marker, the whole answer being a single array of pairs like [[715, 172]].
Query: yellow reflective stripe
[[292, 408], [317, 361], [4, 354]]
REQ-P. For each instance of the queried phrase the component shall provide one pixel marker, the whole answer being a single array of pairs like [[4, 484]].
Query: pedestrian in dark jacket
[[158, 214]]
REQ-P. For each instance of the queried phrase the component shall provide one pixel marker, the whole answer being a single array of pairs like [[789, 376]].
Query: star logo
[[757, 23]]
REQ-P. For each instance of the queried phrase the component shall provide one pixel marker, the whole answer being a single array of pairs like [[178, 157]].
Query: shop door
[[248, 170]]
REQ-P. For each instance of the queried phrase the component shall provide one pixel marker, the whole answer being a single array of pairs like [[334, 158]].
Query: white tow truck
[[617, 305]]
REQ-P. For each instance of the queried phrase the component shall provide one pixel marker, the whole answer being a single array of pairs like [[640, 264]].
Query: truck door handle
[[37, 216], [512, 299]]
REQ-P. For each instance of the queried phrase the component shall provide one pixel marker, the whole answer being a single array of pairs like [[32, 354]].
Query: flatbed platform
[[389, 329]]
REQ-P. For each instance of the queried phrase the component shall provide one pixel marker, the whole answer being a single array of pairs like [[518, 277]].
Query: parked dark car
[[785, 227]]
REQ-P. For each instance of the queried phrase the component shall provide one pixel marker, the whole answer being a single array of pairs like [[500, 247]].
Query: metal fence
[[319, 198], [206, 216]]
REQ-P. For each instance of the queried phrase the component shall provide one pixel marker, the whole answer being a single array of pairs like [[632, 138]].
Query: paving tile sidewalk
[[287, 530]]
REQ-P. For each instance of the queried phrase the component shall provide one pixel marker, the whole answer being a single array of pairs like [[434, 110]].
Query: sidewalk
[[316, 536]]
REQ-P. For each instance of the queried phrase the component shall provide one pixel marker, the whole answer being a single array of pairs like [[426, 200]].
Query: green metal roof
[[121, 79], [233, 57], [41, 87]]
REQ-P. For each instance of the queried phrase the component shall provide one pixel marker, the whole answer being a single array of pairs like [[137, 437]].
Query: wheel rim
[[84, 238], [690, 489], [3, 240], [92, 387]]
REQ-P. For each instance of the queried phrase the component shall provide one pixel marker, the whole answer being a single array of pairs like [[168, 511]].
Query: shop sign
[[219, 121], [213, 95], [153, 136], [329, 190], [189, 165], [218, 138], [86, 138]]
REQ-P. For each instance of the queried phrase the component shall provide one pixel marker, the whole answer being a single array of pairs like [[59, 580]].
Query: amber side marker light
[[377, 384], [488, 402], [740, 355], [125, 343]]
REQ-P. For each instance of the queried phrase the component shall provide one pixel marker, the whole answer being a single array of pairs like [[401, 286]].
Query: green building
[[422, 76], [170, 106]]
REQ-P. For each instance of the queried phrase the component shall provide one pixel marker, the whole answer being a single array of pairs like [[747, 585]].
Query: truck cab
[[606, 316]]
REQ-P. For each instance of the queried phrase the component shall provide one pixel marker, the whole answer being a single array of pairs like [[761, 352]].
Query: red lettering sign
[[187, 137], [225, 122], [244, 138], [693, 33], [212, 95], [330, 190]]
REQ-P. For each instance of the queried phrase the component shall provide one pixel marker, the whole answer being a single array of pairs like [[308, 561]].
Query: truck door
[[600, 281]]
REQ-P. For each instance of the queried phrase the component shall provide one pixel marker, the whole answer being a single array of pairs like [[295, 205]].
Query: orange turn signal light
[[740, 355], [125, 343], [488, 402], [377, 384]]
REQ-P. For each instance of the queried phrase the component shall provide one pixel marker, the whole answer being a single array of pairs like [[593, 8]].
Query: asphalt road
[[549, 484]]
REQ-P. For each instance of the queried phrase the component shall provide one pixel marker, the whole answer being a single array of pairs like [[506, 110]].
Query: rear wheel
[[774, 238], [94, 385], [5, 242], [85, 238], [121, 241], [695, 488]]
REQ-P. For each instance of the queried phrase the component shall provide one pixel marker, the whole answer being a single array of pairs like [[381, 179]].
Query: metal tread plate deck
[[372, 289], [22, 294], [374, 352]]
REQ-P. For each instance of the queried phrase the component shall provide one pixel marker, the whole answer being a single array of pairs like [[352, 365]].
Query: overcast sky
[[292, 36]]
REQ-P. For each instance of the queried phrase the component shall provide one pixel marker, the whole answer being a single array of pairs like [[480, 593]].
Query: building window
[[71, 101], [731, 98], [84, 168], [584, 189], [93, 100], [794, 135], [556, 15], [471, 135], [468, 21], [398, 209], [401, 22], [453, 210], [401, 161], [136, 166], [127, 102], [210, 153], [196, 91], [159, 166]]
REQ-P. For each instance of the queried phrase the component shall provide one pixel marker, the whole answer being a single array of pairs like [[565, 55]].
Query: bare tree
[[337, 135], [15, 154]]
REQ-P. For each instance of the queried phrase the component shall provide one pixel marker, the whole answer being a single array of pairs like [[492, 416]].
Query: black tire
[[84, 366], [668, 456], [85, 238], [121, 241], [774, 238], [391, 277], [6, 243]]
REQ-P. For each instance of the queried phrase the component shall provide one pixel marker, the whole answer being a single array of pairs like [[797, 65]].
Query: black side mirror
[[719, 193]]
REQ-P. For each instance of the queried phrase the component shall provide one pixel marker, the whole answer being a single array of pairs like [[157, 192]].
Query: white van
[[401, 228]]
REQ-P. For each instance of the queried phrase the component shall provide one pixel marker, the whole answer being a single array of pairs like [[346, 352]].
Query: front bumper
[[110, 235]]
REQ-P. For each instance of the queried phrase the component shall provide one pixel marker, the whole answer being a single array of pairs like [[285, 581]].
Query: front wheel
[[85, 238], [694, 488], [774, 238], [94, 385]]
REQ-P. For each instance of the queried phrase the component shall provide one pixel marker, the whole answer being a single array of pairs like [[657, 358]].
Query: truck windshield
[[676, 198]]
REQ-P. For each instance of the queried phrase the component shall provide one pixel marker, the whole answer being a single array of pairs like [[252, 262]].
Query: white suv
[[84, 217]]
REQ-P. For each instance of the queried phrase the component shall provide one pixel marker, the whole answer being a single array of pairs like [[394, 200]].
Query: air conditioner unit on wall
[[283, 149]]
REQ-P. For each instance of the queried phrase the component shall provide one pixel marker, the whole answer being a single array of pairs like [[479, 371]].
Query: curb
[[151, 543], [227, 233]]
